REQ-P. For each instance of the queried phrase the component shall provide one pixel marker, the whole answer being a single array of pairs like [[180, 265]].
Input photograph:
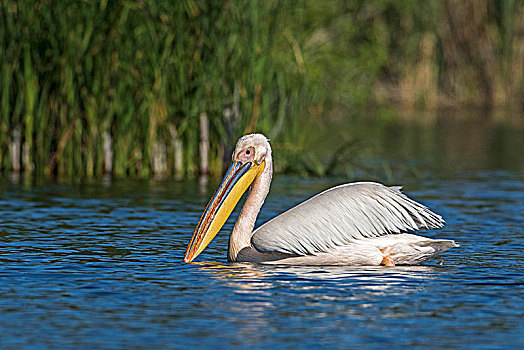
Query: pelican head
[[251, 155]]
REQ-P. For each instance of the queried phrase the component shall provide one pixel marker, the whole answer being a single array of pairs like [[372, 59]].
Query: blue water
[[99, 265]]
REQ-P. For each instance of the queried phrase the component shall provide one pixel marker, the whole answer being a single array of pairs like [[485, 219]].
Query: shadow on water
[[440, 144]]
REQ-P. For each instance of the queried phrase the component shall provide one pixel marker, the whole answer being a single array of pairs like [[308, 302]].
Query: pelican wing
[[341, 215]]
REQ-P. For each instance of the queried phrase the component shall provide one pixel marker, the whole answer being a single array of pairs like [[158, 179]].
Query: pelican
[[363, 223]]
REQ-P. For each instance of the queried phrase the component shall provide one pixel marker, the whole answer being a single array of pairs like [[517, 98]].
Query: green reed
[[118, 87], [96, 86]]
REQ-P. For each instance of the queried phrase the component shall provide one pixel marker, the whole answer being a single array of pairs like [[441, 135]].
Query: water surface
[[98, 265]]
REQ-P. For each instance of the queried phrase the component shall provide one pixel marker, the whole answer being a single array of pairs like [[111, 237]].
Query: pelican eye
[[246, 155]]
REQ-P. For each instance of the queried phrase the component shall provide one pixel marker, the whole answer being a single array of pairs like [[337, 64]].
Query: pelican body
[[362, 223]]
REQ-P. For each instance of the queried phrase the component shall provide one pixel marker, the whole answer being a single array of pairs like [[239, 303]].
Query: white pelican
[[359, 223]]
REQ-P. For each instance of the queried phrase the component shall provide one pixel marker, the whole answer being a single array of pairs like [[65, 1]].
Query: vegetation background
[[164, 88]]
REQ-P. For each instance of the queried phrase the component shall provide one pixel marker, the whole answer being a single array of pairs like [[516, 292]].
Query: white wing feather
[[341, 215]]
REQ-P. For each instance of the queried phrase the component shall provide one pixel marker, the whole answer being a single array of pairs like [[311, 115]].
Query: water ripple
[[100, 266]]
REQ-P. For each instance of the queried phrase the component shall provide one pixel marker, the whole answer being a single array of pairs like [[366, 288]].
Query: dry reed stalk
[[178, 151], [14, 150], [159, 159], [108, 152], [204, 143]]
